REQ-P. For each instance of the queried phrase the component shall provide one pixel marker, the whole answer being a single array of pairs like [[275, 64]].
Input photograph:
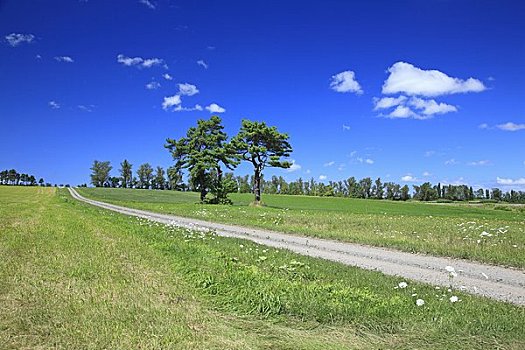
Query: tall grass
[[438, 229]]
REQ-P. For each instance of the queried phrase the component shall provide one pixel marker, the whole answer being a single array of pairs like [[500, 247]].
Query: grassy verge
[[490, 233], [74, 276]]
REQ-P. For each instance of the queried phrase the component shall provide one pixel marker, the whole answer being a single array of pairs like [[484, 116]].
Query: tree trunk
[[257, 186]]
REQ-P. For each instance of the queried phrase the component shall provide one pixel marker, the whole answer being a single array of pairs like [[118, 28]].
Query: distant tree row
[[146, 177], [13, 177]]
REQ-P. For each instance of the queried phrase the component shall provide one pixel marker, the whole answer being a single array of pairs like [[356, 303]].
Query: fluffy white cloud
[[346, 127], [167, 76], [67, 59], [202, 64], [483, 126], [345, 82], [171, 101], [179, 108], [329, 163], [430, 107], [54, 104], [215, 108], [426, 174], [153, 85], [293, 167], [510, 126], [388, 102], [322, 177], [409, 178], [188, 89], [451, 162], [510, 182], [139, 61], [403, 112], [408, 79], [148, 3], [15, 39]]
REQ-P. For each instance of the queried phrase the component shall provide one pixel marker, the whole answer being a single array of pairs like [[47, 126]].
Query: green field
[[75, 276], [491, 233]]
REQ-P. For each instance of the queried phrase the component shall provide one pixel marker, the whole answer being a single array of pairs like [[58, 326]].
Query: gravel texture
[[505, 284]]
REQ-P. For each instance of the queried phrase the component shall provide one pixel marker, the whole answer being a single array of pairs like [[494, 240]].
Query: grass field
[[490, 233], [78, 277]]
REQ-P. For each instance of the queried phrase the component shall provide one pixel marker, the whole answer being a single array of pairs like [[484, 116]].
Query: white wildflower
[[420, 302], [402, 285], [453, 299]]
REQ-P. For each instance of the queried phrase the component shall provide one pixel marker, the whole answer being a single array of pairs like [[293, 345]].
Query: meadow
[[489, 233], [75, 276]]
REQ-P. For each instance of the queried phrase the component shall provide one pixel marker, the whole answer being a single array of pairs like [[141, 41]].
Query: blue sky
[[409, 91]]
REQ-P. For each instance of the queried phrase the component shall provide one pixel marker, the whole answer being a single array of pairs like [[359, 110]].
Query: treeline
[[366, 188], [146, 177], [14, 178]]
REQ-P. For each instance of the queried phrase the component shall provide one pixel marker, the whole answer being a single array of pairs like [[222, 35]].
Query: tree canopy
[[202, 152], [262, 146]]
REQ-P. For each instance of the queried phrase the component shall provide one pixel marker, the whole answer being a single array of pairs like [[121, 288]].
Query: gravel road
[[495, 282]]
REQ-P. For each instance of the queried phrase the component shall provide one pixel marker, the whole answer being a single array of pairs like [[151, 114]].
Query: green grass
[[78, 277], [439, 229]]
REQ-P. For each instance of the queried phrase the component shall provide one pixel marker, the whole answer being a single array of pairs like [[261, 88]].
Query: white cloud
[[215, 108], [202, 64], [479, 163], [188, 89], [426, 174], [369, 161], [153, 85], [402, 112], [483, 126], [329, 163], [431, 107], [293, 167], [167, 76], [451, 161], [308, 171], [54, 104], [171, 101], [345, 82], [341, 167], [139, 61], [150, 62], [148, 3], [408, 79], [67, 59], [388, 102], [346, 127], [322, 177], [510, 126], [430, 153], [15, 39], [86, 108], [179, 108], [409, 178], [510, 182]]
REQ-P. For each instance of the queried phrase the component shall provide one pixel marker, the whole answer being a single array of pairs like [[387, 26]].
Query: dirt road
[[491, 281]]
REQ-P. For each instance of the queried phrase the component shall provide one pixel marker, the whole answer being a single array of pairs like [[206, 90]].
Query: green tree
[[126, 173], [100, 173], [405, 193], [202, 152], [160, 179], [145, 174], [174, 178], [262, 146]]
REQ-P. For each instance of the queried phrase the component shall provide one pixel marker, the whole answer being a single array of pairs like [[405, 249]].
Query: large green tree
[[262, 146], [100, 173], [202, 152], [126, 173], [145, 174]]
